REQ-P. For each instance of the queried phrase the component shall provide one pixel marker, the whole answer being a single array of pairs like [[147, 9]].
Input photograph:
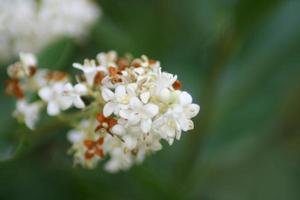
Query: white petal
[[45, 93], [118, 129], [124, 114], [185, 98], [68, 87], [145, 97], [112, 166], [107, 94], [151, 109], [78, 103], [146, 125], [139, 70], [108, 109], [78, 66], [53, 109], [28, 59], [80, 89], [170, 141], [133, 118], [30, 122], [65, 102], [135, 103], [178, 135], [90, 76], [193, 110], [131, 88], [164, 95], [186, 124], [130, 142], [74, 136], [120, 91]]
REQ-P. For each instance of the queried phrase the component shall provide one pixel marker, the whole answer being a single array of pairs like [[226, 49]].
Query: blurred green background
[[240, 59]]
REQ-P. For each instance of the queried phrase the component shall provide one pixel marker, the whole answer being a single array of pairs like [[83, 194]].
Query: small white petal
[[133, 118], [108, 109], [151, 109], [170, 141], [68, 87], [124, 114], [118, 129], [65, 102], [80, 89], [185, 98], [146, 125], [45, 93], [164, 95], [53, 109], [186, 124], [135, 103], [193, 110], [139, 70], [74, 136], [120, 91], [145, 97], [78, 66], [107, 94], [130, 142], [78, 103]]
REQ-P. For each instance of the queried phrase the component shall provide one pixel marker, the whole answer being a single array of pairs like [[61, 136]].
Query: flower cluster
[[25, 23], [124, 107]]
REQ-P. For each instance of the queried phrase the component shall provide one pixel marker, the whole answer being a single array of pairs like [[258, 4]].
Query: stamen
[[89, 144], [98, 78], [177, 85]]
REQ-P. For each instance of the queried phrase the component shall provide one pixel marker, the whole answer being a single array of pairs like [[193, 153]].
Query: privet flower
[[25, 23], [123, 108]]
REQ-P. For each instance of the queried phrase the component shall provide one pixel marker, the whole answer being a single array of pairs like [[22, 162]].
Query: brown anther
[[94, 148], [81, 78], [32, 70], [98, 78], [105, 122], [99, 152], [88, 155], [13, 88], [112, 122], [89, 144], [100, 141], [56, 76], [100, 117], [177, 85], [116, 79], [136, 64], [152, 62], [134, 152], [112, 71], [123, 64]]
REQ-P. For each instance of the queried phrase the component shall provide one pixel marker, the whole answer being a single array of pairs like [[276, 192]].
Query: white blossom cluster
[[29, 25], [124, 107]]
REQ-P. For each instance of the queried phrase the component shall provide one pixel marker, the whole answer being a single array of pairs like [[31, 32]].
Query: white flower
[[90, 69], [107, 59], [23, 68], [28, 112], [29, 29], [177, 118], [140, 113], [118, 99], [74, 94], [120, 159], [55, 98], [163, 80], [28, 60], [133, 106]]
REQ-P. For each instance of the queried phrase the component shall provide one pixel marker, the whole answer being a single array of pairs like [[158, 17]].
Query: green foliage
[[240, 59]]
